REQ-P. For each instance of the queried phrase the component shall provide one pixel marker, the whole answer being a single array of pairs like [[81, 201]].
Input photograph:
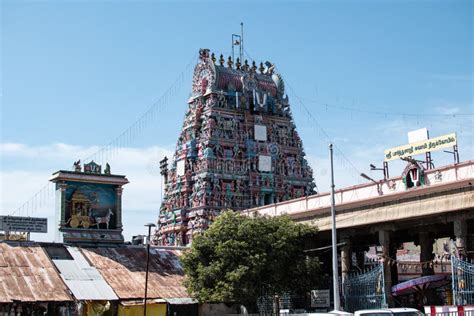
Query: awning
[[181, 301], [140, 302], [420, 285]]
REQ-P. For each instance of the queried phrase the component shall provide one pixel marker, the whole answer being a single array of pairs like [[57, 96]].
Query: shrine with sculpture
[[89, 208]]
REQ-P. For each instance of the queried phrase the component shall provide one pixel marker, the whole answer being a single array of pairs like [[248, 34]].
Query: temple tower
[[238, 148]]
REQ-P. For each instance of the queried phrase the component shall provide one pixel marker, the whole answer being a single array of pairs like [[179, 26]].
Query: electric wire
[[112, 149]]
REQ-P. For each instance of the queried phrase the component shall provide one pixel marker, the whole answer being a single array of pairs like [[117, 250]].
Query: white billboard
[[418, 135]]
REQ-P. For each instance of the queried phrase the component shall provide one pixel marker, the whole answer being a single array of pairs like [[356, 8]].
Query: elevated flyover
[[390, 212]]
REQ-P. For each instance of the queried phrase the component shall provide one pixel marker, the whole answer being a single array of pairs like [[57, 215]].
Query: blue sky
[[74, 75]]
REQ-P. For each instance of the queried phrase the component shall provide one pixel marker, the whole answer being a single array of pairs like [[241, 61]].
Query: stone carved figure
[[77, 166], [105, 219]]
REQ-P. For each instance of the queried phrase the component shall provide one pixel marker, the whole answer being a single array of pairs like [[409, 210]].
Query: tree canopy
[[239, 258]]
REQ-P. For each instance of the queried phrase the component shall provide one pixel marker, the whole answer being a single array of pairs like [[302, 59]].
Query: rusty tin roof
[[27, 274], [124, 269]]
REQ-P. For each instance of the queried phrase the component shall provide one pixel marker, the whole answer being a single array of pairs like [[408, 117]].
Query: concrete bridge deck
[[447, 189]]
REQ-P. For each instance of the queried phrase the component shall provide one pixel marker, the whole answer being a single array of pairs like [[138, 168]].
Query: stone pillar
[[384, 241], [346, 258], [118, 208], [426, 253], [62, 198], [460, 232]]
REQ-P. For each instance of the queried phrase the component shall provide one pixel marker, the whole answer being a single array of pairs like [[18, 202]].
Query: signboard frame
[[23, 224], [413, 149], [321, 298]]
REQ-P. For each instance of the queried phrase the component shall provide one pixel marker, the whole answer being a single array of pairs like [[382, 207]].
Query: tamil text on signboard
[[24, 224], [421, 147], [320, 298]]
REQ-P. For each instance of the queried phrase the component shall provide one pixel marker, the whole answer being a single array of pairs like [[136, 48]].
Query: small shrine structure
[[89, 205], [238, 148]]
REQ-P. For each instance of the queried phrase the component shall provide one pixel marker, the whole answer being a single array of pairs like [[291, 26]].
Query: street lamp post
[[335, 274], [149, 225], [379, 188]]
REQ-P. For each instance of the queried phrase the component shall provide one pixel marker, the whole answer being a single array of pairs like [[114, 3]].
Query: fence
[[365, 290], [463, 281]]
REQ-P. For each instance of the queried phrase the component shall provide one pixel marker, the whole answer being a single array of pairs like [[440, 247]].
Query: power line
[[110, 150], [402, 114], [345, 161]]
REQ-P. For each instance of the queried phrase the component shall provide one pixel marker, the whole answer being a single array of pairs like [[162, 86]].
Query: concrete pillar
[[460, 232], [384, 241], [346, 258], [118, 208], [426, 253]]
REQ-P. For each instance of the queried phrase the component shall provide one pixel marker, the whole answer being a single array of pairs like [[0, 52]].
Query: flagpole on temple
[[335, 271]]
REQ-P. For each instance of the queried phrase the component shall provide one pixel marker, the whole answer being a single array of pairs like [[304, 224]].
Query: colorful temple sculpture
[[89, 205], [238, 149]]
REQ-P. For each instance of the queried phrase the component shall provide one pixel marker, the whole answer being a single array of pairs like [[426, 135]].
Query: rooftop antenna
[[238, 40]]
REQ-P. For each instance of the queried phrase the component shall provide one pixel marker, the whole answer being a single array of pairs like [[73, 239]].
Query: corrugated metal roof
[[28, 275], [124, 269], [83, 280]]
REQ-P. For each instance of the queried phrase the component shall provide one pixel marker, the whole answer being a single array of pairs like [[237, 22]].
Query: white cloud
[[20, 182], [25, 169]]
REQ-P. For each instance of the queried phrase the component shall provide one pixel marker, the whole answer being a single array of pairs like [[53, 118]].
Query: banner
[[421, 147]]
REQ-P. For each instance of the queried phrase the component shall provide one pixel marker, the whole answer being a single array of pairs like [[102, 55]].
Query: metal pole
[[335, 272], [233, 58], [147, 264], [241, 42]]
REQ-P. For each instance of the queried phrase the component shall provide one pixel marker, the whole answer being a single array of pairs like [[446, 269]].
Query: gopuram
[[238, 148]]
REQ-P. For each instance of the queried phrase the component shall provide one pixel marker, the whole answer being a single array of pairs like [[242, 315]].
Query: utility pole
[[335, 271], [150, 225]]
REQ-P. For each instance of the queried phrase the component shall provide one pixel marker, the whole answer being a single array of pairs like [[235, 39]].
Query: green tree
[[239, 257]]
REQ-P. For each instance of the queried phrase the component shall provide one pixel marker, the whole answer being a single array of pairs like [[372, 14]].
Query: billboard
[[421, 147], [24, 224], [418, 135]]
